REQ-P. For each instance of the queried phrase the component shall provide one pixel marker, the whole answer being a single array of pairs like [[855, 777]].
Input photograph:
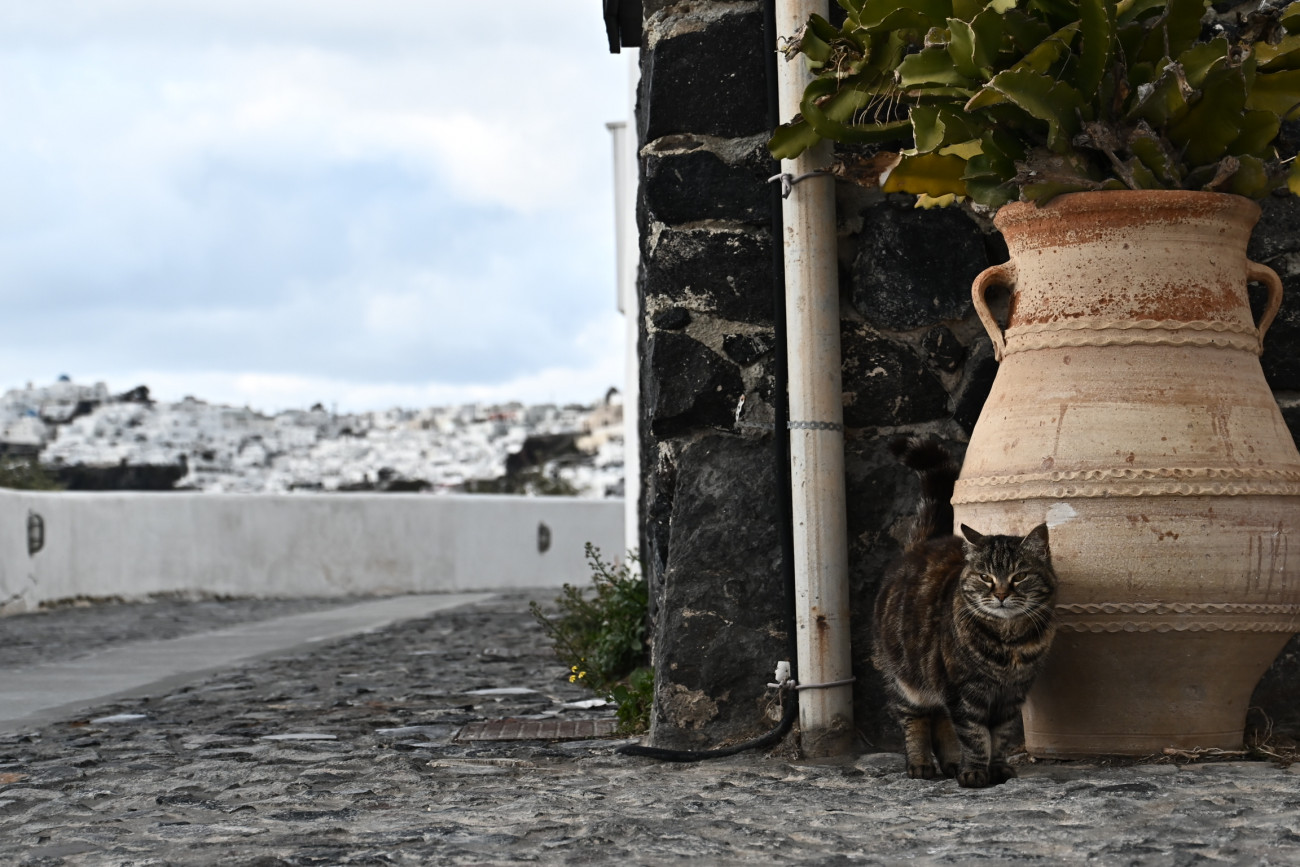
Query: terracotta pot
[[1130, 412]]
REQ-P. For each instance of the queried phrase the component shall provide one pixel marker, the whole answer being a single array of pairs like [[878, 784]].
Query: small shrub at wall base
[[633, 698], [1022, 100], [599, 632]]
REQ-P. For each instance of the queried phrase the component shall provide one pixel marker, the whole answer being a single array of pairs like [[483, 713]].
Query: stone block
[[690, 386], [701, 185], [1276, 243], [1291, 415], [1273, 704], [913, 267], [745, 349], [722, 620], [710, 81], [884, 383], [672, 319], [976, 383], [1281, 358], [943, 350], [722, 271]]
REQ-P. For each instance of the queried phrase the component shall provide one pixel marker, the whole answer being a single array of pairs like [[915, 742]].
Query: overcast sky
[[368, 203]]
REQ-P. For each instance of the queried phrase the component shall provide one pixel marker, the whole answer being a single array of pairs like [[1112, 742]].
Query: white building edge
[[628, 259]]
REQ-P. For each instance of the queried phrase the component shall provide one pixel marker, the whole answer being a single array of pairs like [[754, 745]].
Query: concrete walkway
[[47, 691], [345, 752]]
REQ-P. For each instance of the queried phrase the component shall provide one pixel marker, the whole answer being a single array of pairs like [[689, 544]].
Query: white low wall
[[137, 544]]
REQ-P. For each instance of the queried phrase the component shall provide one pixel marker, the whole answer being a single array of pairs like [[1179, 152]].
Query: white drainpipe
[[816, 422]]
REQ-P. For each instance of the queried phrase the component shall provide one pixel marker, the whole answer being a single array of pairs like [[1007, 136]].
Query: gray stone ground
[[345, 753], [80, 628]]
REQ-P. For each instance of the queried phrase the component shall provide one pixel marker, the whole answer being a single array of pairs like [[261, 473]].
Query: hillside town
[[87, 438]]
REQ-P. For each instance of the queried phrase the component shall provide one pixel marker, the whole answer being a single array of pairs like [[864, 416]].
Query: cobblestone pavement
[[346, 754]]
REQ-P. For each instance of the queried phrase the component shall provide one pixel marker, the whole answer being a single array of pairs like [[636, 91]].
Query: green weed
[[600, 632]]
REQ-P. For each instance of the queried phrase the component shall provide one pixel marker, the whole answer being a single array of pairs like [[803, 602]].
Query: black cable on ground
[[789, 697]]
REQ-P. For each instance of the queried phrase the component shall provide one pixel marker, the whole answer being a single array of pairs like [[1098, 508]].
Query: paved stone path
[[344, 753], [78, 629], [53, 689]]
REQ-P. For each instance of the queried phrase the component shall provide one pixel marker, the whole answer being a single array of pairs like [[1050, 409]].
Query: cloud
[[369, 193], [516, 96]]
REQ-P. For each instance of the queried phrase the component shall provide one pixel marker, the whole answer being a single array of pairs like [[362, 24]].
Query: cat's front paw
[[973, 778], [922, 771], [1001, 772], [950, 770]]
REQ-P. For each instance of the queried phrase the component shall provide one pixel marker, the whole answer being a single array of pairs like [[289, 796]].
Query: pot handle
[[997, 275], [1258, 273]]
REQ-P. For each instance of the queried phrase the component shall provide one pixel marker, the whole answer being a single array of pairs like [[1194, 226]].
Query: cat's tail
[[938, 471]]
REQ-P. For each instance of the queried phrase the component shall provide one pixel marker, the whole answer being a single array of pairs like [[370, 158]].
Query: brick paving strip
[[345, 752], [538, 730]]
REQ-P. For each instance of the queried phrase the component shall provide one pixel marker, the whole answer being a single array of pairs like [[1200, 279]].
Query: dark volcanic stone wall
[[915, 360], [710, 544]]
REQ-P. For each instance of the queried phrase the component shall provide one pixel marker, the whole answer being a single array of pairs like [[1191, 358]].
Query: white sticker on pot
[[1060, 513]]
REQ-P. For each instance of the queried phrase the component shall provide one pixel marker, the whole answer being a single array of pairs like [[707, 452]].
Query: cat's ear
[[1036, 543], [971, 536]]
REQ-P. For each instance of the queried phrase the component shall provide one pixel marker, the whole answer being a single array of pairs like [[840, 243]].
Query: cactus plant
[[1025, 99]]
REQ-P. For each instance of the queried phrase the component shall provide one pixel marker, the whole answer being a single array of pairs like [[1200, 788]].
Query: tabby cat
[[961, 630]]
